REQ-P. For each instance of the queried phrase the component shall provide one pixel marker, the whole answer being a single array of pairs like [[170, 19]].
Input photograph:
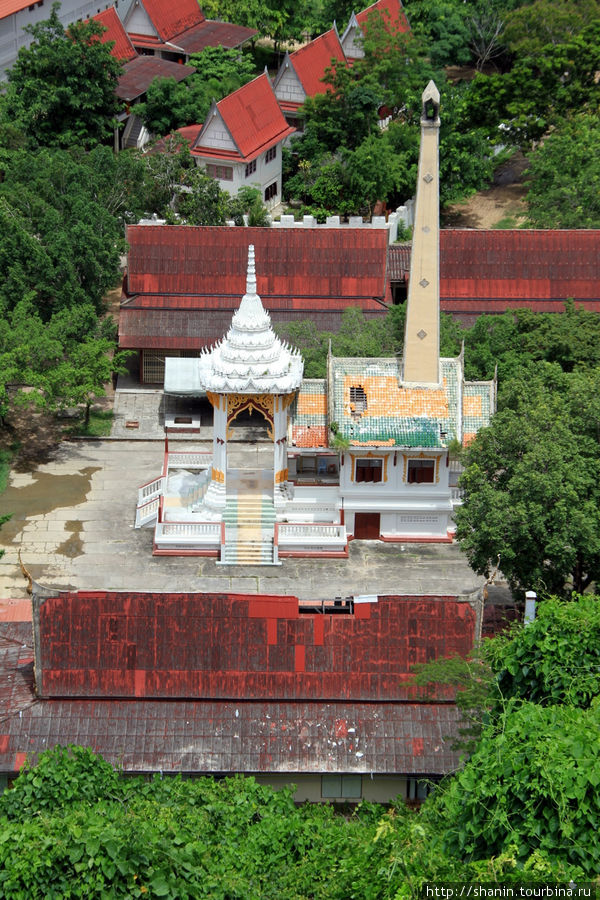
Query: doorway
[[367, 526]]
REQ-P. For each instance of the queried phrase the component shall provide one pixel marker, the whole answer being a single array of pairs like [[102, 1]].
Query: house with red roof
[[302, 72], [392, 16], [240, 142], [137, 75], [314, 692], [176, 31]]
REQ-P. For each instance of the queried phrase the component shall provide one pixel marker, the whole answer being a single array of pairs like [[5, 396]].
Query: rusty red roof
[[494, 270], [139, 73], [213, 34], [170, 18], [311, 61], [238, 647], [123, 48], [253, 118], [290, 262], [220, 736], [392, 13]]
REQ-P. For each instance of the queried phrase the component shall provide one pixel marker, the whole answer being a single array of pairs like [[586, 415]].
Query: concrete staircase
[[249, 531]]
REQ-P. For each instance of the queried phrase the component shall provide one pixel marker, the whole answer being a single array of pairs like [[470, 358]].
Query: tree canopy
[[61, 89]]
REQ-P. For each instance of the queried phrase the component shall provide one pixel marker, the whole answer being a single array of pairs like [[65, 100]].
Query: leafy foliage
[[531, 786], [554, 659], [61, 89], [531, 484], [564, 176]]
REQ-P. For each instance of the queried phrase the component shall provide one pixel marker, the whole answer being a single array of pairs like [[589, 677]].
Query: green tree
[[531, 485], [564, 176], [530, 27], [61, 89]]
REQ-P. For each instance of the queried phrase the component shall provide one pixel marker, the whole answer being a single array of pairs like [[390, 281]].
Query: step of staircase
[[249, 531]]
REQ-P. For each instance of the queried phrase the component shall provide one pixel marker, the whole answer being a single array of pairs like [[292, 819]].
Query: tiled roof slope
[[9, 7], [253, 117], [170, 18], [495, 270], [123, 48], [235, 647], [139, 73], [213, 34], [311, 61], [208, 736], [294, 263], [391, 12]]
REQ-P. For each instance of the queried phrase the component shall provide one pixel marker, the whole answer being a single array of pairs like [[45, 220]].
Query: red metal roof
[[290, 262], [391, 12], [123, 48], [496, 270], [253, 118], [311, 61], [238, 647], [171, 18], [140, 72]]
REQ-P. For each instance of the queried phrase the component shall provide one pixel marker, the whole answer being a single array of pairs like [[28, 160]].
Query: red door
[[366, 526]]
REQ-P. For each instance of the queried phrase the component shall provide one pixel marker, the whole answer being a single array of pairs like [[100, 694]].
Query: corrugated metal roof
[[311, 61], [295, 262], [235, 647], [123, 48], [140, 72], [170, 18], [391, 12], [499, 267], [253, 118], [214, 34]]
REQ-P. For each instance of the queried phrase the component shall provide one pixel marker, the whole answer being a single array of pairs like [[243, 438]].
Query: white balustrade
[[180, 460], [303, 534], [150, 489]]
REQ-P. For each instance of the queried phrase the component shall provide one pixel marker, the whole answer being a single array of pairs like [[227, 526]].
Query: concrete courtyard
[[73, 521]]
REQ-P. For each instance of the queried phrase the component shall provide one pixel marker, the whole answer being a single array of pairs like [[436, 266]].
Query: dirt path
[[501, 206]]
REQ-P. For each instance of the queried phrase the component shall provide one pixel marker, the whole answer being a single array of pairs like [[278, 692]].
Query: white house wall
[[139, 22], [289, 89], [12, 36], [266, 172], [406, 510]]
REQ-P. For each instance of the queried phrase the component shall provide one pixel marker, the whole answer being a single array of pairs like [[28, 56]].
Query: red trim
[[276, 534], [315, 554]]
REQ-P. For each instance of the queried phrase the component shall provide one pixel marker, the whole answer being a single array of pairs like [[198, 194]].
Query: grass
[[99, 425]]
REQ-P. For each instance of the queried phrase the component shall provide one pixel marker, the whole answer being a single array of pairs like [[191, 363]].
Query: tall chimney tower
[[422, 329]]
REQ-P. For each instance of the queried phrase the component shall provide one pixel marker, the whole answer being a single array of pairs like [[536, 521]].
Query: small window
[[271, 191], [224, 173], [369, 470], [250, 168], [417, 789], [341, 787], [420, 471], [271, 154], [358, 401]]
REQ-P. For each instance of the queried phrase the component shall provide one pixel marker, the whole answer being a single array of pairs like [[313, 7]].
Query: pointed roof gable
[[123, 48], [170, 18], [311, 61], [391, 11], [252, 117], [251, 358]]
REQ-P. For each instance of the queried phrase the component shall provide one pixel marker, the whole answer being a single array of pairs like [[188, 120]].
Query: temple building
[[362, 454]]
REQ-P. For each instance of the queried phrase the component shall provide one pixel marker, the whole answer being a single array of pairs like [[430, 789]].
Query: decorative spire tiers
[[422, 331], [251, 359]]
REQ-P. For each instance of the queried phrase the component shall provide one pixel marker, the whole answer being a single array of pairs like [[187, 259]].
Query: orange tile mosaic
[[312, 405], [385, 397], [473, 406]]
